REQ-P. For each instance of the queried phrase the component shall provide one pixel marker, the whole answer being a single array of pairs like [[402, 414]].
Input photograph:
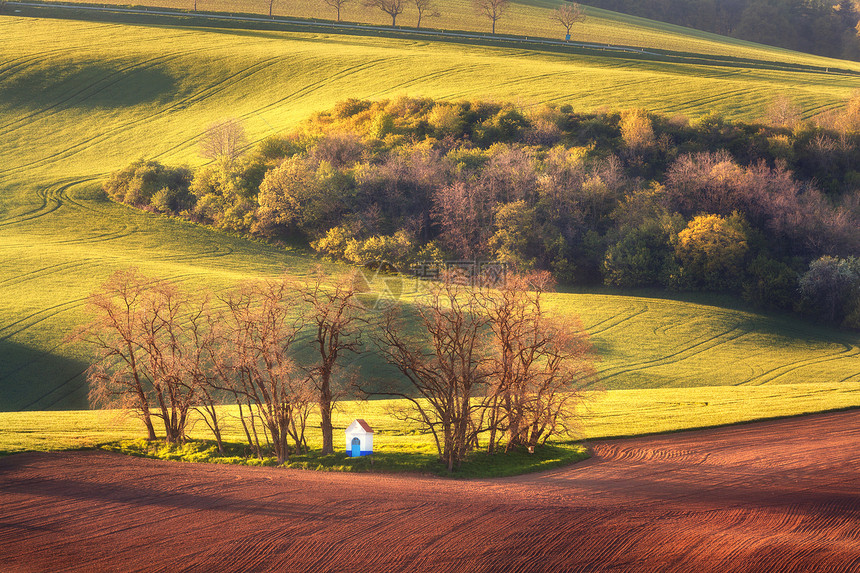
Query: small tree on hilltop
[[493, 10], [426, 8], [337, 5], [391, 7], [567, 16]]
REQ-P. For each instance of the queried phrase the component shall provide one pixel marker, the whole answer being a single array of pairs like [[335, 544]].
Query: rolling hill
[[79, 99]]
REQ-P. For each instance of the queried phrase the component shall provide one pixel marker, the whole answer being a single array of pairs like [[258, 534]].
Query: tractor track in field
[[200, 95], [11, 329], [684, 352], [780, 495], [769, 376]]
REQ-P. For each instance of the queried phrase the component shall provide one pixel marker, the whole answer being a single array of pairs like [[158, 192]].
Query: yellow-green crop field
[[79, 99], [613, 413]]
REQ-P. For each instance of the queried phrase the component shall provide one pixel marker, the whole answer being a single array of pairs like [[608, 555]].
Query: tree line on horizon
[[566, 15], [822, 27], [629, 199]]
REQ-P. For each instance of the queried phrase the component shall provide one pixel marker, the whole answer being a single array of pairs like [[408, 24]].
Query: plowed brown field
[[773, 496]]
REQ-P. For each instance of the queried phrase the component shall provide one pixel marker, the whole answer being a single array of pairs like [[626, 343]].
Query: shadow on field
[[32, 379], [67, 83]]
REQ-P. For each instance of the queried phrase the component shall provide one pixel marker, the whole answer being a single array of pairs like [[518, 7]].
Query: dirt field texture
[[772, 496]]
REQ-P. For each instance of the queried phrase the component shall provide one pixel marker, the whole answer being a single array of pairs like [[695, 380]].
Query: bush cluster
[[629, 199]]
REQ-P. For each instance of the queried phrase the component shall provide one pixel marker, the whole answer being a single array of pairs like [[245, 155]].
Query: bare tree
[[783, 112], [143, 333], [118, 376], [426, 7], [271, 7], [492, 9], [464, 211], [263, 325], [224, 140], [337, 5], [538, 367], [391, 7], [334, 316], [206, 335], [443, 362], [567, 16]]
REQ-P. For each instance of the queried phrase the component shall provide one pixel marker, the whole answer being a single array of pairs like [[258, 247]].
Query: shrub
[[712, 250], [831, 289], [140, 181]]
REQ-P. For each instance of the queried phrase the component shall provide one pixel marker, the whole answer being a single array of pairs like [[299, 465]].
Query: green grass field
[[80, 99], [613, 413]]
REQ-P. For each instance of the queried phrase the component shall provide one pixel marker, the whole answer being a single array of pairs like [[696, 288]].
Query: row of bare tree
[[163, 353], [493, 10], [485, 364]]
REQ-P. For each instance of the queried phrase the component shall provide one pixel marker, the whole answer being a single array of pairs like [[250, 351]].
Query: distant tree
[[337, 5], [516, 240], [637, 130], [142, 181], [493, 10], [783, 112], [642, 254], [831, 287], [567, 16], [712, 251], [464, 211], [224, 140], [288, 196], [427, 7], [391, 7]]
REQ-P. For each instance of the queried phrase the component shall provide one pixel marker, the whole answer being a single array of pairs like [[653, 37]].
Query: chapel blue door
[[356, 447]]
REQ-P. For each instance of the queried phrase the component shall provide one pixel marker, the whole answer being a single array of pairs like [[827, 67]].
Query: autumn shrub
[[712, 250], [140, 181]]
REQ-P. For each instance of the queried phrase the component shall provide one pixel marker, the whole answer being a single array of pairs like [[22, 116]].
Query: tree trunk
[[327, 430], [150, 430]]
